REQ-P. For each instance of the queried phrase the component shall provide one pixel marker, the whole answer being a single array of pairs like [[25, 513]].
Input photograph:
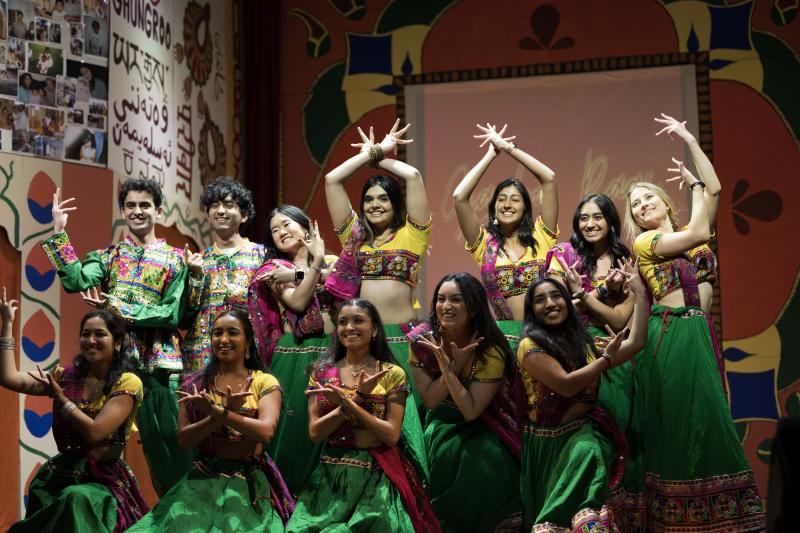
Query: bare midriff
[[235, 449], [517, 305], [574, 412], [393, 299]]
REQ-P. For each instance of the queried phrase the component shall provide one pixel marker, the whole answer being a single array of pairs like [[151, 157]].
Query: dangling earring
[[247, 354], [374, 334]]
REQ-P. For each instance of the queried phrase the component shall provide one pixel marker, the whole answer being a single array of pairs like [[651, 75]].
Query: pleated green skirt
[[291, 448], [695, 471], [219, 495], [565, 476], [65, 497], [348, 492], [512, 329], [157, 421], [474, 478]]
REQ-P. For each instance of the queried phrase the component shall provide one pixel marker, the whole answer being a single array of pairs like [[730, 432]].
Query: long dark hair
[[396, 198], [568, 342], [253, 362], [615, 245], [294, 213], [378, 347], [525, 228], [120, 362], [481, 321]]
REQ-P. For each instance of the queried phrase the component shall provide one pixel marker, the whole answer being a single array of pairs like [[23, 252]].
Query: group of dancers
[[576, 386]]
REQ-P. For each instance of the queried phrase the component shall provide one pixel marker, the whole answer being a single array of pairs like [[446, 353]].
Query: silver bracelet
[[7, 343], [66, 409]]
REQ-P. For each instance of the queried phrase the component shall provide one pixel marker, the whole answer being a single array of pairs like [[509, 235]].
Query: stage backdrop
[[343, 64], [173, 107]]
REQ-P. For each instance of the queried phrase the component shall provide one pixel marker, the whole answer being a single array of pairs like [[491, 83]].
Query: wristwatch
[[299, 274]]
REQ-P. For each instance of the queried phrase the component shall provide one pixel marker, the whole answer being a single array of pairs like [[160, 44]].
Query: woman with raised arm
[[573, 452], [690, 447], [228, 411], [382, 250], [587, 266], [511, 247], [356, 403], [466, 374], [702, 257], [87, 487], [289, 306]]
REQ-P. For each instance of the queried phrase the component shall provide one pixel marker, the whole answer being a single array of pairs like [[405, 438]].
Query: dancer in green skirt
[[695, 472], [290, 310], [382, 251], [573, 452], [356, 405], [228, 411], [511, 247], [144, 279], [466, 374], [87, 487]]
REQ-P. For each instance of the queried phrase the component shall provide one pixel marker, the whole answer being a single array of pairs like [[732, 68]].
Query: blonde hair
[[631, 228]]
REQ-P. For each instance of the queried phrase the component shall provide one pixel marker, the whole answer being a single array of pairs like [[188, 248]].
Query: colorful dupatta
[[344, 280], [268, 314], [502, 311], [504, 412]]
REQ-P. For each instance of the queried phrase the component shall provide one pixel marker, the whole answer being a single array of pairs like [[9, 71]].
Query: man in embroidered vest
[[220, 276], [144, 279]]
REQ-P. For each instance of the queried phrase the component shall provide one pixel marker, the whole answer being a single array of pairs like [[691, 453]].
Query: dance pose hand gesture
[[458, 356], [367, 383], [49, 380], [683, 174], [280, 274], [94, 297], [60, 212], [314, 243], [235, 400], [8, 309], [194, 261], [389, 142], [332, 393], [197, 397], [674, 128], [491, 135], [571, 274]]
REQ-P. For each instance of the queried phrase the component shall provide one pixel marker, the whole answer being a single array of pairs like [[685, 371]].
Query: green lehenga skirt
[[157, 421], [221, 495], [695, 472], [291, 448], [565, 477], [474, 478], [75, 494], [348, 492], [512, 329]]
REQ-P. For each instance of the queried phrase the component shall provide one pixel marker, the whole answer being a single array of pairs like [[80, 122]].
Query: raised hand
[[48, 380], [332, 393], [60, 212], [194, 261], [614, 279], [235, 400], [461, 355], [571, 274], [683, 174], [366, 142], [314, 243], [616, 340], [195, 396], [491, 135], [94, 297], [8, 309], [367, 383], [393, 138], [673, 127], [437, 349]]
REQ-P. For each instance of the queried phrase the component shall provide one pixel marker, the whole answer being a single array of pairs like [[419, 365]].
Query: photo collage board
[[54, 79]]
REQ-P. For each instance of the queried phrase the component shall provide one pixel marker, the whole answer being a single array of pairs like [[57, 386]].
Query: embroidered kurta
[[224, 285], [146, 284]]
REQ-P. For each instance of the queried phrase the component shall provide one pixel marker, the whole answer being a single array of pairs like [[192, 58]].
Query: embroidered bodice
[[398, 259], [665, 275], [546, 406], [69, 440]]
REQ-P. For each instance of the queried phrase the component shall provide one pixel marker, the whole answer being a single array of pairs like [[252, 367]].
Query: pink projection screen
[[594, 129]]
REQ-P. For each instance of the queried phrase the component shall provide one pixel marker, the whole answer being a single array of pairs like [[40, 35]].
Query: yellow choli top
[[492, 371], [261, 384], [67, 439], [399, 259], [661, 273], [514, 278]]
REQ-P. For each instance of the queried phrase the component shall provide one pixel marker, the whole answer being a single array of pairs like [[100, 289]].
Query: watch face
[[299, 275]]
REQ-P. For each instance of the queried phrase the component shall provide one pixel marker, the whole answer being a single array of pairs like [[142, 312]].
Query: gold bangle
[[510, 147]]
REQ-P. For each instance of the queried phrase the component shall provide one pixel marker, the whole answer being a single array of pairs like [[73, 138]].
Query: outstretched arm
[[705, 170], [467, 217], [10, 377], [697, 231]]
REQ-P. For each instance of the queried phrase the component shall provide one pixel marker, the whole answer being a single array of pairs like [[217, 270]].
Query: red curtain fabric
[[261, 60]]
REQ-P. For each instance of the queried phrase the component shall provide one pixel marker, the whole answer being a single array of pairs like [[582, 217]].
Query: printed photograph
[[6, 114], [46, 121], [8, 82], [76, 39], [36, 89], [95, 34], [96, 8], [45, 60], [3, 20], [66, 90], [20, 19], [75, 116], [95, 79], [15, 54], [84, 145]]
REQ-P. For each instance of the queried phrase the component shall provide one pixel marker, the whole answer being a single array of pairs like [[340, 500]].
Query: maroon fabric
[[402, 475], [280, 496], [504, 412], [118, 478]]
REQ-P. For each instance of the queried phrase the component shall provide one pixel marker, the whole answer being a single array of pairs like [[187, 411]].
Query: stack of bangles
[[609, 359], [375, 154], [66, 409], [7, 343]]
